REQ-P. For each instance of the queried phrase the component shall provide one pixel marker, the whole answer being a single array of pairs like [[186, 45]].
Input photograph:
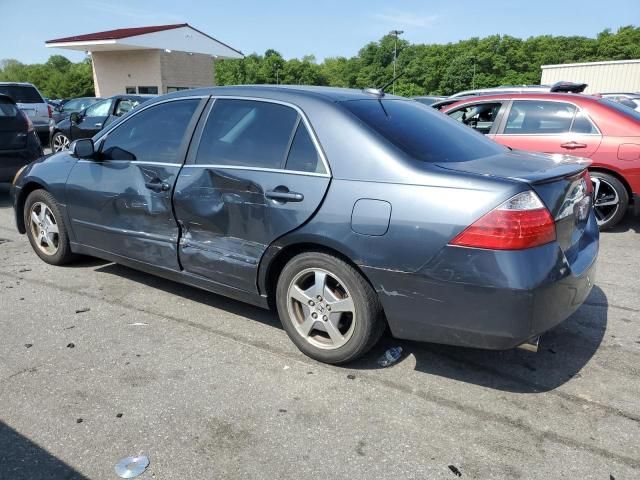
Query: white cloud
[[406, 19]]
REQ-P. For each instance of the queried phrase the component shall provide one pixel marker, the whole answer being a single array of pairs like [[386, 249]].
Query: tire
[[59, 142], [607, 189], [53, 246], [349, 318]]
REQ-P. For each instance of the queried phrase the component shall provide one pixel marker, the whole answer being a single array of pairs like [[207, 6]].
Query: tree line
[[441, 69]]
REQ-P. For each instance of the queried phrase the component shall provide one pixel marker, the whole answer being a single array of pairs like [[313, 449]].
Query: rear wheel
[[59, 142], [327, 308], [610, 199], [45, 228]]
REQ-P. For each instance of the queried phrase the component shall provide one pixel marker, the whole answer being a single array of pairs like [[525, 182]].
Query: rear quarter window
[[22, 93], [422, 132]]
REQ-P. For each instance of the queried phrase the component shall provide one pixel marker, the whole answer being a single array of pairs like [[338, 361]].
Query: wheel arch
[[21, 199], [278, 256], [617, 175]]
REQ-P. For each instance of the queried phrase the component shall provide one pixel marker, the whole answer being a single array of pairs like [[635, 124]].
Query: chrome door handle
[[99, 125], [158, 186], [284, 195], [573, 145]]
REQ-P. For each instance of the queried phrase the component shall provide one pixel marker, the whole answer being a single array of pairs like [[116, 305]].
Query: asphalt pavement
[[99, 362]]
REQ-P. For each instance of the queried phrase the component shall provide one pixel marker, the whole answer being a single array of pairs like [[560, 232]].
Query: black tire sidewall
[[369, 323], [63, 255], [623, 196]]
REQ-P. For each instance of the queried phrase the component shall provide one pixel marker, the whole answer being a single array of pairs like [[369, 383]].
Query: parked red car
[[604, 131]]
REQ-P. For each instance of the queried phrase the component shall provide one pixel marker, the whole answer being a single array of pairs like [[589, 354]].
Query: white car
[[31, 102]]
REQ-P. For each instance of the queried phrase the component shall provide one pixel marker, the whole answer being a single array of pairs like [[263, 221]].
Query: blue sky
[[324, 28]]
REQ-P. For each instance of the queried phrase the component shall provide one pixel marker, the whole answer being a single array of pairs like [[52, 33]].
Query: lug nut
[[325, 318], [328, 308], [319, 298], [314, 315], [311, 303]]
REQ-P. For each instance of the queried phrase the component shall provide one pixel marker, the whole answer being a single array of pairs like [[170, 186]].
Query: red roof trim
[[118, 34]]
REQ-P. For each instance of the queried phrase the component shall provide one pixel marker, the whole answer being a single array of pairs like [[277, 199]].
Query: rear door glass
[[529, 117], [22, 93]]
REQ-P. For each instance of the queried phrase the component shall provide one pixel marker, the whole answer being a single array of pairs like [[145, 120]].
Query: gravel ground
[[98, 362]]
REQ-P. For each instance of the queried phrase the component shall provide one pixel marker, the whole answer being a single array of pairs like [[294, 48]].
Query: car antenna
[[379, 92]]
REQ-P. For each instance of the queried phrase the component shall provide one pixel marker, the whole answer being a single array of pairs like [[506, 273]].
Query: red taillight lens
[[27, 120], [50, 110], [588, 182], [521, 222]]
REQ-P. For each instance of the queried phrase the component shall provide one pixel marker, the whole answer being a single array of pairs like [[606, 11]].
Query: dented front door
[[121, 202]]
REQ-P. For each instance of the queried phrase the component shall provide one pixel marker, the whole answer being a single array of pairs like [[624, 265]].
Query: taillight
[[27, 121], [50, 110], [521, 222], [589, 184]]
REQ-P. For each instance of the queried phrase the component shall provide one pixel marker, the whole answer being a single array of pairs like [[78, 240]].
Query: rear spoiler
[[568, 87]]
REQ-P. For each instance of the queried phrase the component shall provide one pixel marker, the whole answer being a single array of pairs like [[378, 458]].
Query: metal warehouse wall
[[602, 77]]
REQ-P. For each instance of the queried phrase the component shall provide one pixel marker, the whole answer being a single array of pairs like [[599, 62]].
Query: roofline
[[588, 64], [161, 28], [526, 96], [67, 41]]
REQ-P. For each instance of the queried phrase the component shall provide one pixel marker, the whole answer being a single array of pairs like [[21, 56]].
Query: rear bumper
[[487, 299], [13, 160]]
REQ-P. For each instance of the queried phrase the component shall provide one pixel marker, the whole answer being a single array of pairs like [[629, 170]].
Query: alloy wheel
[[321, 308], [44, 228], [606, 201], [60, 142]]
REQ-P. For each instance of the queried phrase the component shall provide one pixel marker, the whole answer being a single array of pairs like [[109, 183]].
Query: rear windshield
[[627, 111], [423, 132], [22, 93]]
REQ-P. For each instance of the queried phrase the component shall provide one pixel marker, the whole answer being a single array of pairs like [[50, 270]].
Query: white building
[[621, 76], [157, 60]]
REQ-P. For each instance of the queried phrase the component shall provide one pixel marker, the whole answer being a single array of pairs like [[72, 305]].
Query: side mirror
[[83, 148], [75, 117]]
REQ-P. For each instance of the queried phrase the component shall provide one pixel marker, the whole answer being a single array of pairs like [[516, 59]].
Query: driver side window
[[479, 116], [153, 135]]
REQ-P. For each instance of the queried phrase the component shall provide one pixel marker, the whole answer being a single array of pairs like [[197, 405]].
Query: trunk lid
[[559, 181]]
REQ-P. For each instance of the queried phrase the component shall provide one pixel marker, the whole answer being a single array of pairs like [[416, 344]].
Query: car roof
[[570, 97], [289, 92]]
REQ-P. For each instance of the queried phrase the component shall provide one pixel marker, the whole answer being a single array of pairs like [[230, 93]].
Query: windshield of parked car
[[423, 132], [22, 93], [627, 111]]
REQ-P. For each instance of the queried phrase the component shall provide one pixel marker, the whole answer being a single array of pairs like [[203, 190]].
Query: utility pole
[[395, 33]]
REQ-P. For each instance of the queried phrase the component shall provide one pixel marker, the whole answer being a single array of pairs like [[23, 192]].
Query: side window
[[539, 118], [247, 133], [125, 106], [479, 116], [582, 124], [303, 155], [100, 109], [153, 135]]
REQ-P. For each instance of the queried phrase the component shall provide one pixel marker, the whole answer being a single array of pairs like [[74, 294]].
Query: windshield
[[627, 111], [22, 93], [423, 132]]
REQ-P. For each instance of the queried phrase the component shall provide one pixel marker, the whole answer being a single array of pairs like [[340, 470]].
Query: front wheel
[[59, 142], [46, 230], [327, 308], [610, 199]]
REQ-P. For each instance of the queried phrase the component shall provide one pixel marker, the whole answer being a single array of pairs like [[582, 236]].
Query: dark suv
[[19, 144]]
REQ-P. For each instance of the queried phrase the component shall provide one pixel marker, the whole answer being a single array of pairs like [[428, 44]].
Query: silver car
[[31, 102]]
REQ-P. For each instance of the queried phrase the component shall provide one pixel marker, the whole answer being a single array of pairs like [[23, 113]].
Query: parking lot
[[98, 362]]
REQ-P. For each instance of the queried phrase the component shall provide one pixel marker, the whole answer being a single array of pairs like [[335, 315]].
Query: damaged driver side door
[[120, 202]]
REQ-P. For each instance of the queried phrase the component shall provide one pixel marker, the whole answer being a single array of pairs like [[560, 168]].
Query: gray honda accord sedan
[[348, 211]]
